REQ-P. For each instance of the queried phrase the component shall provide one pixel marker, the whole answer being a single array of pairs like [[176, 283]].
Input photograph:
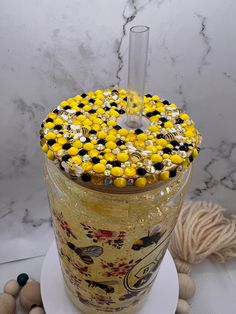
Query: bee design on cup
[[106, 286], [86, 254], [153, 237]]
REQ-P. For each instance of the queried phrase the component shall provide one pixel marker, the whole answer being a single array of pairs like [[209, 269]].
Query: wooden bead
[[182, 267], [37, 310], [186, 286], [7, 304], [30, 295], [12, 287], [182, 307]]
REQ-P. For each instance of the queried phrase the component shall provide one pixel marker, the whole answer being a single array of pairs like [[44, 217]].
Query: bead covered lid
[[85, 138]]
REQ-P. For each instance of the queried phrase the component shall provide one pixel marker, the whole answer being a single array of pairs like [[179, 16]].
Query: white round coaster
[[162, 298]]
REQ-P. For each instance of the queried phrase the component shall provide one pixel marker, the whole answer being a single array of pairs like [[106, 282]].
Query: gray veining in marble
[[51, 51]]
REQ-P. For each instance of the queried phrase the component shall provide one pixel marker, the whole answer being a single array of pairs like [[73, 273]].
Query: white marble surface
[[50, 51]]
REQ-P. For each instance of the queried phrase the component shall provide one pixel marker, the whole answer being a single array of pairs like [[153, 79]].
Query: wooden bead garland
[[29, 294]]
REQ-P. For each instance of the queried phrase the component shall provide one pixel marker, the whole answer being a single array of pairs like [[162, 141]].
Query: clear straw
[[138, 51]]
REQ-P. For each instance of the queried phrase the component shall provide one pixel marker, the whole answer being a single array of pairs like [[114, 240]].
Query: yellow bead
[[81, 118], [141, 182], [123, 132], [99, 97], [166, 156], [59, 135], [168, 124], [88, 146], [195, 153], [120, 182], [52, 115], [113, 113], [87, 122], [111, 138], [99, 168], [139, 144], [100, 111], [123, 147], [87, 166], [109, 156], [112, 132], [156, 158], [189, 134], [93, 153], [63, 104], [62, 140], [151, 148], [96, 127], [97, 121], [77, 159], [169, 146], [87, 108], [117, 171], [153, 128], [159, 147], [49, 125], [172, 106], [56, 147], [176, 159], [98, 102], [165, 175], [77, 144], [110, 145], [107, 150], [161, 109], [50, 155], [142, 137], [73, 151], [156, 97], [131, 137], [185, 164], [130, 171], [161, 142], [45, 148], [184, 116], [50, 135], [111, 123], [78, 97], [122, 157], [73, 104], [103, 161], [122, 92], [70, 100], [101, 134]]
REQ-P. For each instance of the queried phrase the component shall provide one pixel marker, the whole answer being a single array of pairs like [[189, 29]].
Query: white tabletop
[[216, 284]]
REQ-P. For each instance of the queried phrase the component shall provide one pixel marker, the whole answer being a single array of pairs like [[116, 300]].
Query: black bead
[[117, 127], [174, 143], [41, 136], [49, 120], [92, 111], [95, 160], [78, 113], [84, 95], [106, 109], [160, 136], [190, 158], [66, 146], [148, 95], [92, 101], [166, 150], [114, 91], [83, 152], [51, 142], [42, 125], [179, 121], [163, 119], [81, 105], [58, 127], [120, 142], [158, 166], [67, 107], [116, 163], [87, 140], [125, 99], [66, 157], [141, 171], [149, 114], [92, 132], [121, 111], [173, 173], [61, 167], [155, 112], [22, 279], [56, 111], [162, 124], [113, 104], [101, 141], [138, 131], [166, 102], [85, 177], [184, 148], [33, 306]]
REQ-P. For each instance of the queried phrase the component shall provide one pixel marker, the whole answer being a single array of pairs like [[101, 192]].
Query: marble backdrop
[[51, 50]]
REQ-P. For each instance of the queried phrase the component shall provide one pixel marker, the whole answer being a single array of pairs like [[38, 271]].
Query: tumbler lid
[[86, 139]]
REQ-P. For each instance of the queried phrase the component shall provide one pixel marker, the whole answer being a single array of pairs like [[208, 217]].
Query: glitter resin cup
[[115, 194]]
